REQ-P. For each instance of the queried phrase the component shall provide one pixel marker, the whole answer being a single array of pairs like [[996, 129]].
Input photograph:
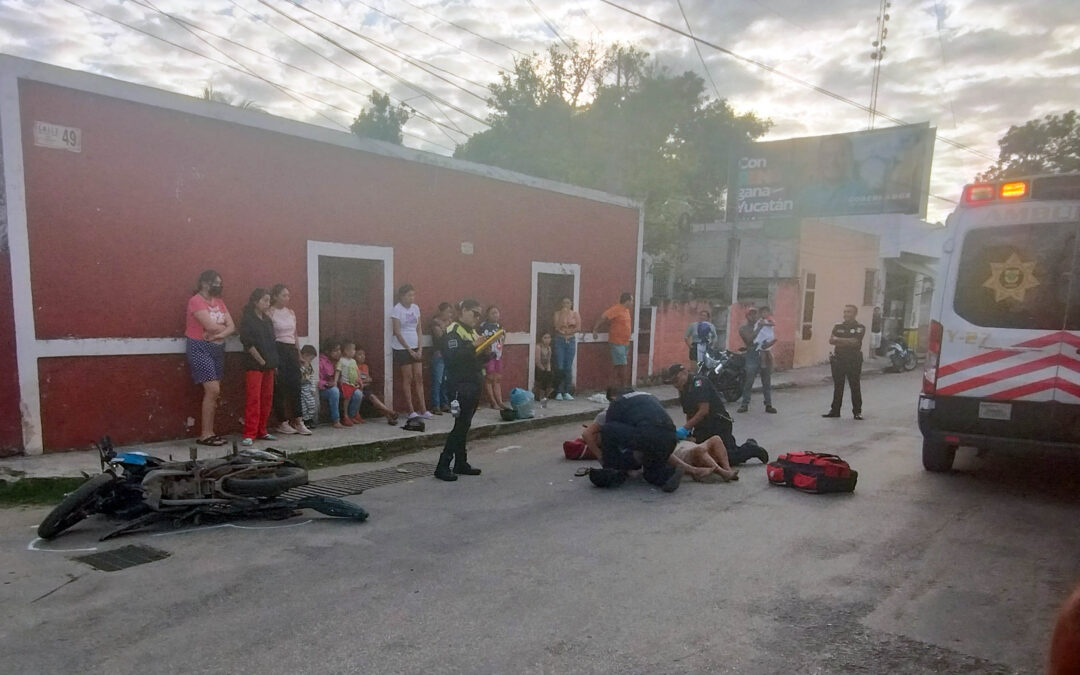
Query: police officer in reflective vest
[[464, 382], [847, 359]]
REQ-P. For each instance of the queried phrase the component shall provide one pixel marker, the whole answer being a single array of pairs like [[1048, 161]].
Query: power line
[[433, 37], [463, 28], [550, 24], [420, 115], [416, 63], [697, 48], [766, 67], [242, 70], [415, 87]]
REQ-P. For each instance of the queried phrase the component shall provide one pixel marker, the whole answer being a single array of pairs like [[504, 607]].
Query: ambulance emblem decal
[[1011, 279]]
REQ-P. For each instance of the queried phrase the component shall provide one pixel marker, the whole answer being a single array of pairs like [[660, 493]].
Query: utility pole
[[878, 54]]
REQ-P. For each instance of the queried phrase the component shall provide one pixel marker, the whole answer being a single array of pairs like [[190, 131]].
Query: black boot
[[442, 471], [462, 467]]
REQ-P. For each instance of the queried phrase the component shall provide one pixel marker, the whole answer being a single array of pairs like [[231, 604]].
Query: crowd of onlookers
[[290, 383]]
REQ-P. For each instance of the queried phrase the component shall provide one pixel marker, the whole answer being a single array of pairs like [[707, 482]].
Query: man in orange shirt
[[619, 329]]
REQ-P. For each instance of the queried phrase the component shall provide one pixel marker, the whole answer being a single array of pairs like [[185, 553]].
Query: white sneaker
[[427, 415], [286, 428], [567, 397], [247, 442], [558, 397], [302, 429]]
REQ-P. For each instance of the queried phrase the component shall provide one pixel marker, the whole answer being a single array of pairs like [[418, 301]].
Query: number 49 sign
[[57, 137]]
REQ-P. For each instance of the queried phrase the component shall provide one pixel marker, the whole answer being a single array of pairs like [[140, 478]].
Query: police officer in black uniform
[[847, 360], [463, 381], [706, 415], [637, 434]]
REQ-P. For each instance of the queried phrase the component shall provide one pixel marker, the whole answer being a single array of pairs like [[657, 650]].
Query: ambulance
[[1003, 367]]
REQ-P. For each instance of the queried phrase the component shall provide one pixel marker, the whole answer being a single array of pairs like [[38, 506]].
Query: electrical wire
[[550, 24], [419, 114], [415, 87], [433, 37], [697, 48], [305, 72], [791, 78], [416, 63], [239, 69], [244, 71], [465, 29]]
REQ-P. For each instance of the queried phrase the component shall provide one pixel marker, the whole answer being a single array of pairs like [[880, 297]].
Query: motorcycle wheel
[[75, 507], [909, 361], [267, 484]]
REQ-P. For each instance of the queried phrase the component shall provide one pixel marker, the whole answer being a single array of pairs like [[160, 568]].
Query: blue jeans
[[562, 352], [756, 363], [439, 397], [332, 397]]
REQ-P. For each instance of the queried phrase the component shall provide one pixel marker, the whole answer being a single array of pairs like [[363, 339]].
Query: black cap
[[671, 371]]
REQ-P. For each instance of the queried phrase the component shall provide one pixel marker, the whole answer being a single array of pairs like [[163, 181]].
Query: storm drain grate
[[122, 558], [355, 483]]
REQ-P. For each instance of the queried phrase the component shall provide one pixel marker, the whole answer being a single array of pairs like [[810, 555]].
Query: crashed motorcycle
[[142, 489], [726, 370]]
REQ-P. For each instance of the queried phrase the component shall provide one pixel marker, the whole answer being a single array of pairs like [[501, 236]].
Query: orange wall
[[839, 257]]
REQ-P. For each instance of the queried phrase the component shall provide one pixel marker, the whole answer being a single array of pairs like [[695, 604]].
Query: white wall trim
[[638, 264], [539, 268], [652, 338], [137, 93], [19, 250], [385, 254]]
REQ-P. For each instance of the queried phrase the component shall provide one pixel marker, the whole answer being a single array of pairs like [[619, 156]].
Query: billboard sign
[[866, 172]]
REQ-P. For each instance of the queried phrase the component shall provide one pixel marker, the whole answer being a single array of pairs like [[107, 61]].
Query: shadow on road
[[1051, 478]]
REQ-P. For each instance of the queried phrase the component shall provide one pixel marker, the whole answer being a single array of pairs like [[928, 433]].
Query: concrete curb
[[373, 451]]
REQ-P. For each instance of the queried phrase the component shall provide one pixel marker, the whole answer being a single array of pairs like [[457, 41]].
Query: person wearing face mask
[[208, 324]]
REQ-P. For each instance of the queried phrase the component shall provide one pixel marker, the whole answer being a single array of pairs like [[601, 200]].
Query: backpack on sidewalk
[[813, 472]]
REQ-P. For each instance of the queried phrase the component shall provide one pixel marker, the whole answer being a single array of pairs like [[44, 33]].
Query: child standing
[[543, 376], [328, 389], [440, 403], [493, 368], [365, 392], [309, 403], [347, 378], [257, 336]]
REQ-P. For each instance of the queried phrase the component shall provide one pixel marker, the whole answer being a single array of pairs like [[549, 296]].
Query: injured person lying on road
[[704, 462]]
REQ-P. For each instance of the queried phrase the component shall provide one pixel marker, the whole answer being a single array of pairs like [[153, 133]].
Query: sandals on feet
[[214, 441]]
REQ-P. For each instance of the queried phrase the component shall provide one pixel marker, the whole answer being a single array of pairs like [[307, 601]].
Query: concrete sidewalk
[[375, 439]]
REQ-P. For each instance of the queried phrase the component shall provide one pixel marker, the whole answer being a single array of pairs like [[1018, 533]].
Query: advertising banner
[[866, 172]]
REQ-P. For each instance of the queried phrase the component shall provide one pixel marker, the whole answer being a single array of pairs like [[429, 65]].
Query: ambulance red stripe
[[1013, 371]]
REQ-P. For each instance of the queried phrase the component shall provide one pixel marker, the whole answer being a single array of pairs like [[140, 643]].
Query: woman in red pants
[[261, 356]]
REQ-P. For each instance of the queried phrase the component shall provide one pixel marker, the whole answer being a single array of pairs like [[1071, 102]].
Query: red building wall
[[119, 232], [672, 319]]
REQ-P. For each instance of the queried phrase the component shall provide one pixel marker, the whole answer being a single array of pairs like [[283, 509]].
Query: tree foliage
[[211, 94], [381, 120], [1047, 145], [615, 120]]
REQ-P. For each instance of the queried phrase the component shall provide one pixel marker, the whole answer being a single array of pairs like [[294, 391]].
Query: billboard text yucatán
[[879, 171]]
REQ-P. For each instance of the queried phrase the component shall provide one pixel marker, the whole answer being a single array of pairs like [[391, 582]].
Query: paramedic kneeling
[[637, 434]]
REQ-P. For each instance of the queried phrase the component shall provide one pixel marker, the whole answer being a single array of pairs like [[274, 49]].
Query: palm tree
[[208, 94]]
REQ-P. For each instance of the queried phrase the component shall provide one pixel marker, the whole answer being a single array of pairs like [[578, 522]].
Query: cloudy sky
[[970, 68]]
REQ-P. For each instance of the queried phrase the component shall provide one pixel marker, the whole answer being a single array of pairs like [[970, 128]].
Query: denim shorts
[[618, 354]]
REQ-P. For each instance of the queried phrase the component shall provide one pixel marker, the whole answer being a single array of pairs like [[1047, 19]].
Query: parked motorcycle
[[143, 489], [726, 370], [901, 357]]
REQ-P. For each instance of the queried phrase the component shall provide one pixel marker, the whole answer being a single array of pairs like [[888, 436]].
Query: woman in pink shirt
[[287, 387], [208, 323]]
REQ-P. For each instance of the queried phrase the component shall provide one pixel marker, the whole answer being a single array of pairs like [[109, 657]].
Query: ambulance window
[[1019, 276]]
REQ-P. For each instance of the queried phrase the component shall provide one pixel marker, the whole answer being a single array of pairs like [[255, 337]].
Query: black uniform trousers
[[468, 397], [847, 367], [653, 445]]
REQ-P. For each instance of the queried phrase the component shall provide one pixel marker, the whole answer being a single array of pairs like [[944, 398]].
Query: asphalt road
[[528, 570]]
